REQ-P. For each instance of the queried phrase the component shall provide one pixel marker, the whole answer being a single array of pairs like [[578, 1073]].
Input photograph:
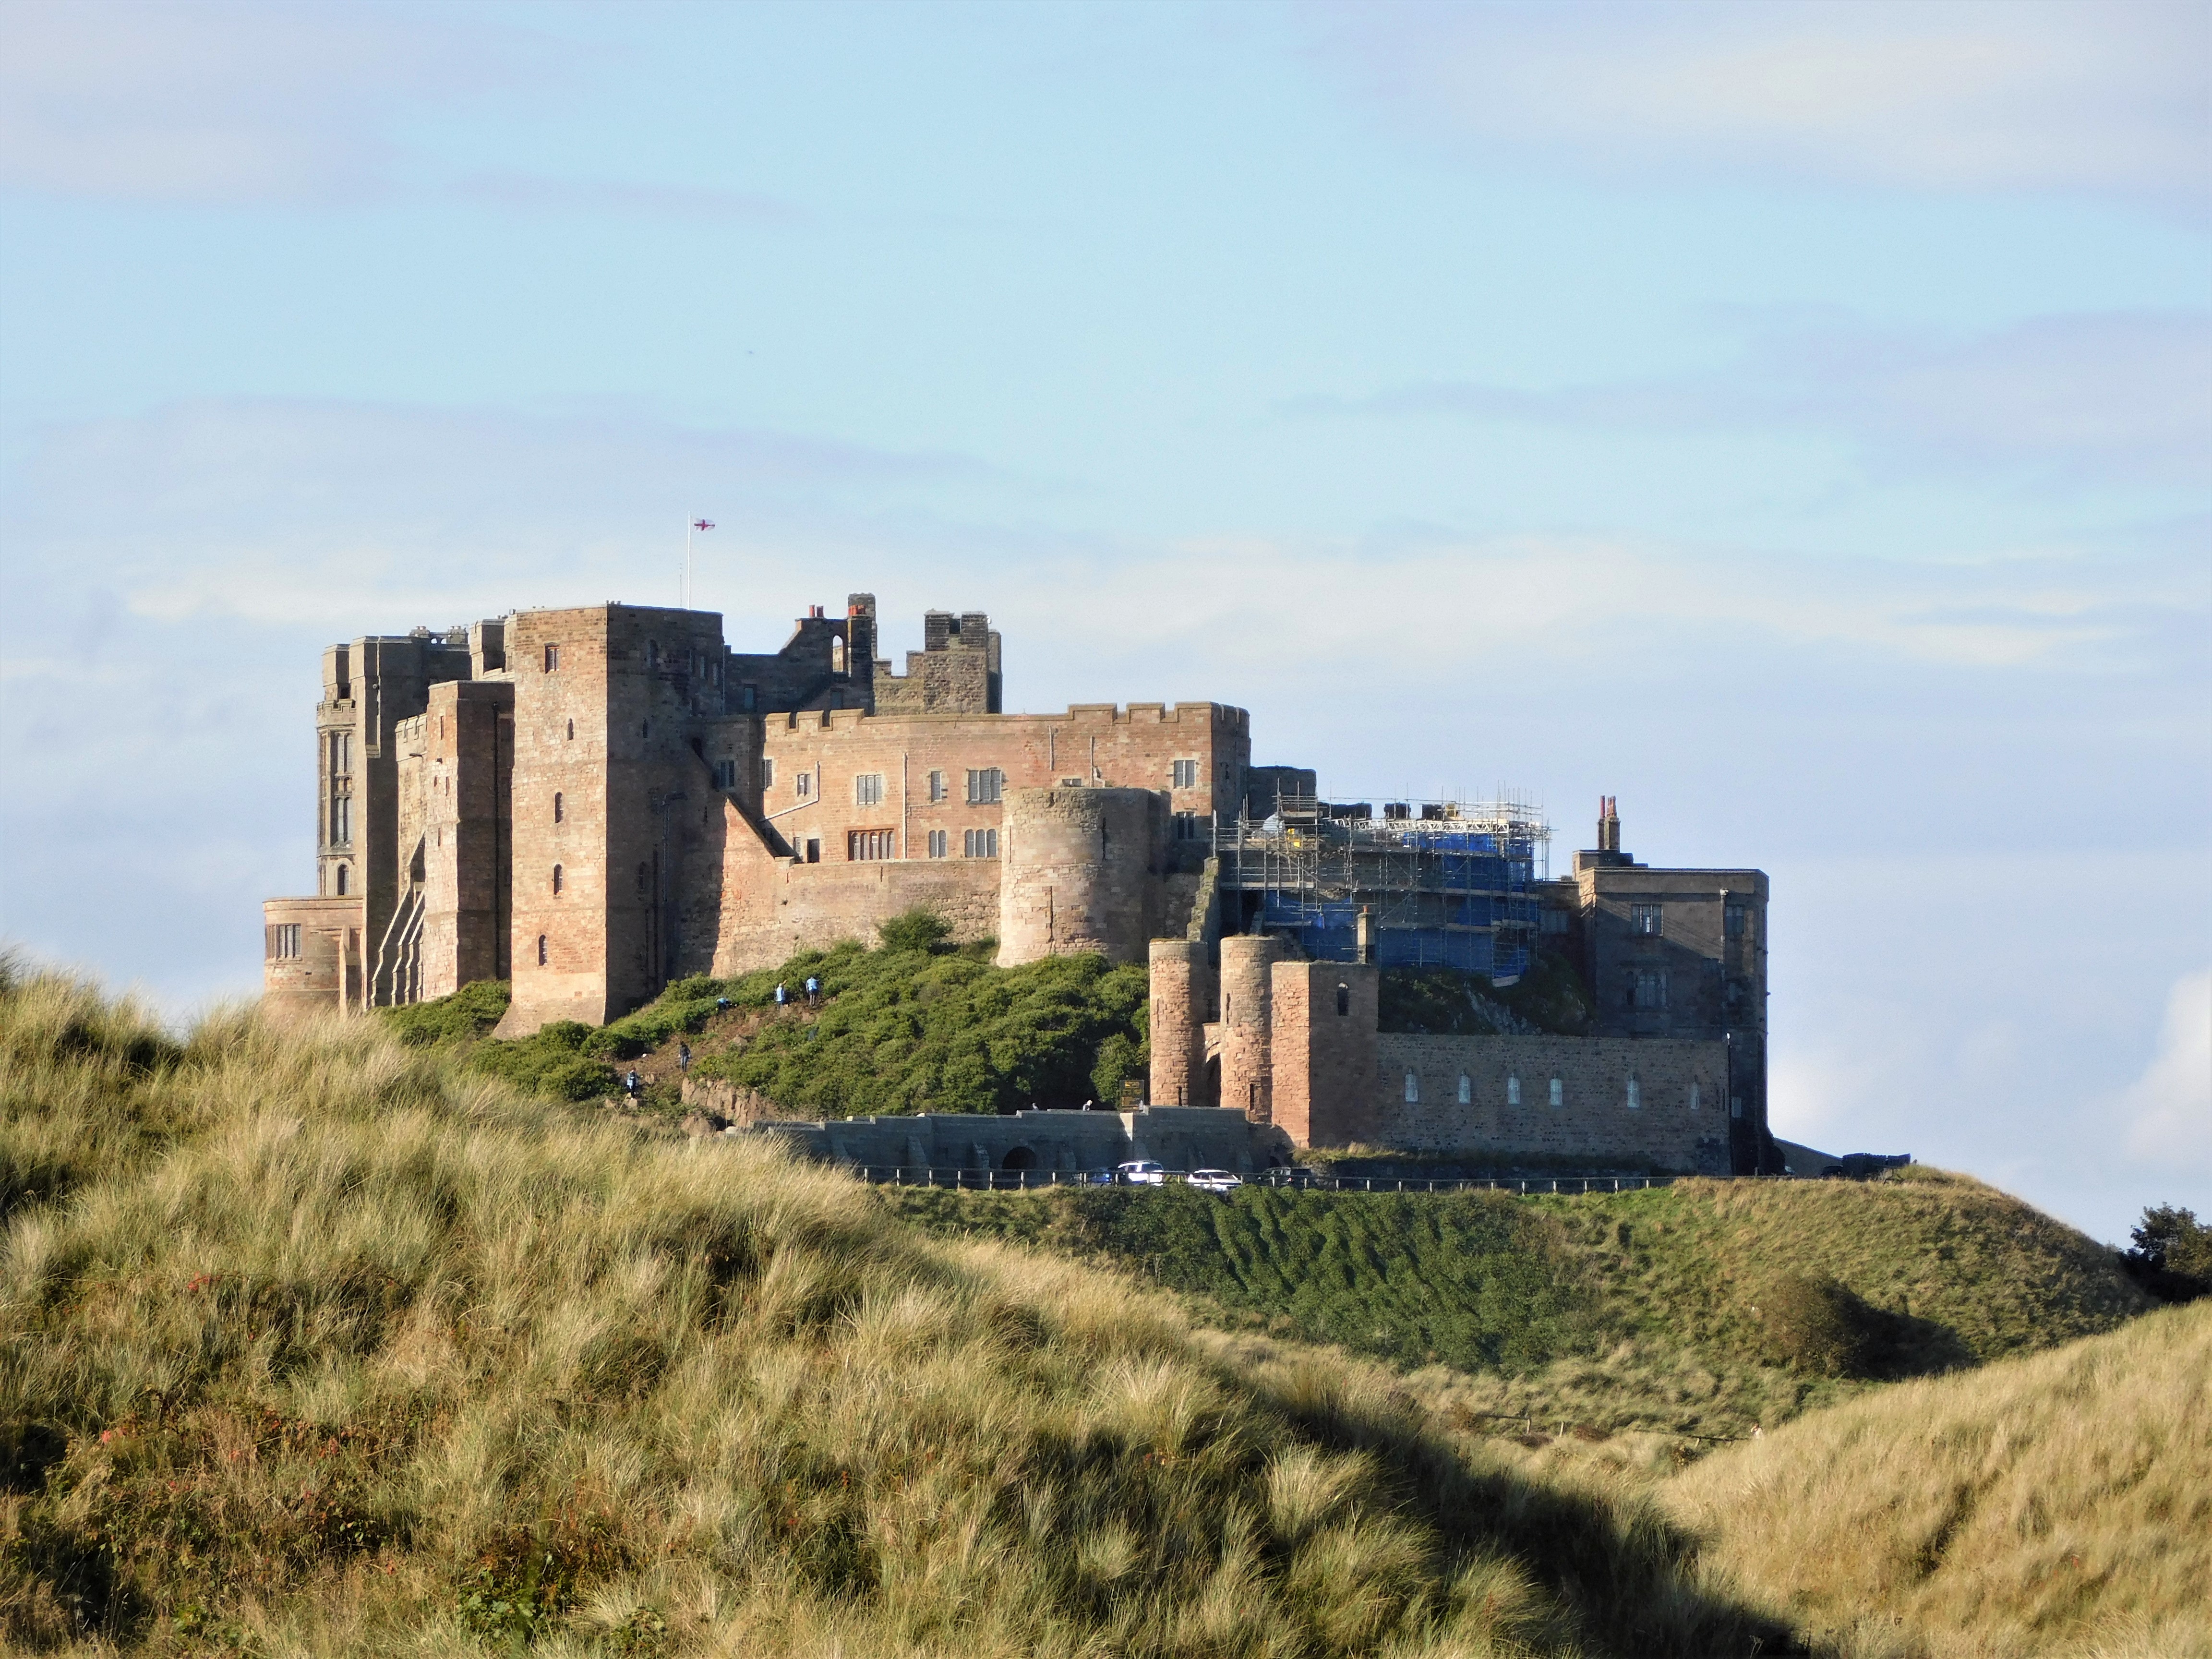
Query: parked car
[[1214, 1180], [1296, 1176], [1141, 1172]]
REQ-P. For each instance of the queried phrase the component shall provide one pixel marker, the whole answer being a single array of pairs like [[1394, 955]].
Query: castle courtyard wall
[[1678, 1122]]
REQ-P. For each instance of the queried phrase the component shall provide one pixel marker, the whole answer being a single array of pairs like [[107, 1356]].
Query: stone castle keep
[[591, 803]]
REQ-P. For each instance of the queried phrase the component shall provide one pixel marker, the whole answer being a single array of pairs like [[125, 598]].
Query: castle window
[[836, 656], [541, 949], [557, 879], [1412, 1088], [1649, 989], [868, 789], [1465, 1089], [937, 843], [980, 843], [984, 786], [572, 731], [1736, 1105], [1635, 1095], [341, 820], [937, 785], [342, 881], [552, 658], [814, 849], [1186, 826], [748, 698], [284, 939], [652, 653], [867, 844], [645, 729], [1558, 1092], [1553, 921], [557, 814], [1184, 773], [1513, 1090], [1736, 919], [1343, 1000], [1694, 1092], [767, 771], [725, 775], [1644, 919], [802, 785]]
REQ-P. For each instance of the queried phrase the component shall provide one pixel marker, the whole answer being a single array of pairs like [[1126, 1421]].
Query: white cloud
[[2069, 400], [2106, 96], [228, 100], [2168, 1109]]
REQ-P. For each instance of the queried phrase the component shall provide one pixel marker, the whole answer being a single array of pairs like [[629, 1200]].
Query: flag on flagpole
[[703, 523]]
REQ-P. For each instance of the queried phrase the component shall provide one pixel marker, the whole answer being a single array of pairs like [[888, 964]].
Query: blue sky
[[1793, 419]]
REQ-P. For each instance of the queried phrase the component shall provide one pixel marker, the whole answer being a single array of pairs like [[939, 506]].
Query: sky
[[1792, 419]]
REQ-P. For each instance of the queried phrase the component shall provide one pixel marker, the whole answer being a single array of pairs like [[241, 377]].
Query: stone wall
[[1245, 1036], [1650, 1099], [324, 975], [1181, 1138]]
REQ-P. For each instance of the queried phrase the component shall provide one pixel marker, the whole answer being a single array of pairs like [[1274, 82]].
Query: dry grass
[[310, 1343], [2060, 1503]]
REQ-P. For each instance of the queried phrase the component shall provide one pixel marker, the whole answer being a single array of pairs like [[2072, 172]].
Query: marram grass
[[314, 1343]]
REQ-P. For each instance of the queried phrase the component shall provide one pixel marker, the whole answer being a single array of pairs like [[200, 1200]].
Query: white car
[[1214, 1180], [1143, 1172]]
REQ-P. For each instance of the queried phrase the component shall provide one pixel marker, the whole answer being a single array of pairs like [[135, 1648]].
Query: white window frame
[[1183, 774], [985, 785], [1412, 1088], [1635, 1094], [867, 789], [1513, 1089], [1558, 1091]]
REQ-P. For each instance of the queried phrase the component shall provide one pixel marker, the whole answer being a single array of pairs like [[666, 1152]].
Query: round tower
[[1178, 1022], [1078, 867], [1246, 976]]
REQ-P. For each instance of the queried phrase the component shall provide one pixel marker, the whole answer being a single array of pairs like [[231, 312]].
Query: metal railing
[[1008, 1181]]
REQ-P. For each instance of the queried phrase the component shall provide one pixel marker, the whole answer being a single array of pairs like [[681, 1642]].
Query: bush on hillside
[[1816, 1325], [2172, 1254], [917, 929], [467, 1014], [901, 1030], [551, 1062]]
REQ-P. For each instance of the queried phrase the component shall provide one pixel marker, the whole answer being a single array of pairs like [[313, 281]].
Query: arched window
[[1558, 1092], [557, 806], [541, 949], [1635, 1095], [1465, 1089], [557, 879], [552, 658], [1694, 1092], [652, 653], [342, 881], [1513, 1090], [836, 656], [572, 731], [1413, 1087], [1343, 1000]]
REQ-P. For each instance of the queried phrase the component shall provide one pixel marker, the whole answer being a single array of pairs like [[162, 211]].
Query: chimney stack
[[1608, 826]]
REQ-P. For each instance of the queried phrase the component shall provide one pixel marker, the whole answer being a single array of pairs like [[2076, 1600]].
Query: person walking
[[630, 1083], [781, 996], [813, 991], [683, 1058]]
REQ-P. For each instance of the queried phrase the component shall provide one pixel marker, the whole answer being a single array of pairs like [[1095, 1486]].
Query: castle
[[589, 803]]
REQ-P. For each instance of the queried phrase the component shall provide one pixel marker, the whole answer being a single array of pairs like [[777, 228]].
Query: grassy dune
[[1649, 1311], [2060, 1503], [311, 1342]]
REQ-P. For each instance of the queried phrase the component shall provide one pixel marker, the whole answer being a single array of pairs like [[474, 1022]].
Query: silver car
[[1215, 1181], [1141, 1172]]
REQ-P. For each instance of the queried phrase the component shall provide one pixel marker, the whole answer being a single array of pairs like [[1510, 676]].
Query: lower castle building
[[589, 803]]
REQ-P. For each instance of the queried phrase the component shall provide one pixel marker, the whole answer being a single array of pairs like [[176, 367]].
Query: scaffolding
[[1442, 884]]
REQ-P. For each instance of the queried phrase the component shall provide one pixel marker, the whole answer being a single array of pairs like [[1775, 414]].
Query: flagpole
[[687, 564]]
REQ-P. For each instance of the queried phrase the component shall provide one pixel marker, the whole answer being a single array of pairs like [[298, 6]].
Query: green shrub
[[946, 1031], [1451, 1002], [469, 1013], [1816, 1325], [917, 929], [550, 1062]]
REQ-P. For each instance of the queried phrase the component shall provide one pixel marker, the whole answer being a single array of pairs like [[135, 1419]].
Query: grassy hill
[[314, 1342], [2060, 1503], [1666, 1309], [913, 1025]]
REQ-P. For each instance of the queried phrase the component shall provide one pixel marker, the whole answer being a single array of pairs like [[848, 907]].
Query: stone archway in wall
[[1022, 1157]]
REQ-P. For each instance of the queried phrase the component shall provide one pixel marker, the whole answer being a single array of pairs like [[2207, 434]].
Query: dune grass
[[1667, 1310], [314, 1342], [2060, 1503]]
